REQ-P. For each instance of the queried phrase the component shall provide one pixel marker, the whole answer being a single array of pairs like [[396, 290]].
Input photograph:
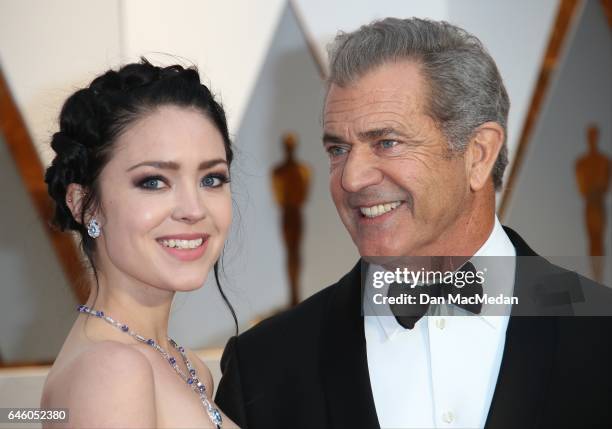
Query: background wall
[[256, 57], [47, 49], [34, 292], [546, 205]]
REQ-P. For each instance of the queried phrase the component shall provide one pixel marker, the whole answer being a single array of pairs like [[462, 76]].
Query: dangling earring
[[93, 228]]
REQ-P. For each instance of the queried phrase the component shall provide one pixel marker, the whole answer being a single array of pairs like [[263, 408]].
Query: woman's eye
[[152, 183], [214, 180]]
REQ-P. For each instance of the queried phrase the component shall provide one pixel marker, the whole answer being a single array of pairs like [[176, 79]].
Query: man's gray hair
[[465, 87]]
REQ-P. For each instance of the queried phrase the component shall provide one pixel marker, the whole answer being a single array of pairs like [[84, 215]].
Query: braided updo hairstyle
[[93, 118]]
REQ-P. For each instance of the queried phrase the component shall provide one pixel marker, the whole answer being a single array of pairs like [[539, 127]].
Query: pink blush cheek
[[225, 218], [133, 229], [145, 219], [149, 217]]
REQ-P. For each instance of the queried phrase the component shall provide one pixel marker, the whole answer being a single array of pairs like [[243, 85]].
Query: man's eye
[[335, 151], [388, 144]]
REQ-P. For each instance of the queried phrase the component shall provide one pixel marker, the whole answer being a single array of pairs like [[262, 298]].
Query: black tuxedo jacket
[[307, 367]]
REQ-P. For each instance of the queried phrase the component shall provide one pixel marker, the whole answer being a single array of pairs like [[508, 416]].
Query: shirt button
[[440, 323], [448, 417]]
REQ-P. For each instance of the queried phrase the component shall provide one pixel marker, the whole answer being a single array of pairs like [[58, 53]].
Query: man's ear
[[75, 195], [483, 148]]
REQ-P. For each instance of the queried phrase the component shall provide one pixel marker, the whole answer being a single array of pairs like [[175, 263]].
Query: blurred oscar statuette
[[291, 182], [593, 177]]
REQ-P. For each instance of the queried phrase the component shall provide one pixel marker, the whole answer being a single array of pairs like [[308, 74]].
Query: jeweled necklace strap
[[192, 379]]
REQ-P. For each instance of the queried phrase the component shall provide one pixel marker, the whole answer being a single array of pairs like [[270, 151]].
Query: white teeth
[[182, 244], [379, 209]]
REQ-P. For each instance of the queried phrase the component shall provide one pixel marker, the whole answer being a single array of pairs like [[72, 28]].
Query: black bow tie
[[408, 314]]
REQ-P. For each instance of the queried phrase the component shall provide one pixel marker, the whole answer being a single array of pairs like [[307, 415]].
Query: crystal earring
[[93, 228]]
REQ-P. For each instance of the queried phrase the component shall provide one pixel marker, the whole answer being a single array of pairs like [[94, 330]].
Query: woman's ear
[[75, 195], [484, 147]]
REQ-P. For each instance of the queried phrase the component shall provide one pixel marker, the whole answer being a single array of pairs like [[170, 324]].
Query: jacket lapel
[[344, 365], [524, 374], [528, 354]]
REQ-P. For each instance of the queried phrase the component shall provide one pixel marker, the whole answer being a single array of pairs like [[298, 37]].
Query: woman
[[141, 173]]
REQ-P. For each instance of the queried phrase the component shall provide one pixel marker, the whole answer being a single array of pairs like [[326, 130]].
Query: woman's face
[[165, 201]]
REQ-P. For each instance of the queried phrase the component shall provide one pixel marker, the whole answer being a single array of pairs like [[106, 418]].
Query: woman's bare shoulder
[[108, 384]]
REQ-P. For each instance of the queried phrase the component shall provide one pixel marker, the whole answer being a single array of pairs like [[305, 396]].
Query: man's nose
[[360, 170], [190, 205]]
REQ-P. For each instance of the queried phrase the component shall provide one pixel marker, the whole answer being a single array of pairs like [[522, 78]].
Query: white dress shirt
[[443, 372]]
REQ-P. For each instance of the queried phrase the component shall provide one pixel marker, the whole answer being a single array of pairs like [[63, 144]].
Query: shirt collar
[[497, 244]]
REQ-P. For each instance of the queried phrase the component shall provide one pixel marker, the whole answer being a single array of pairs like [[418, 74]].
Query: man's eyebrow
[[332, 138], [171, 165], [372, 134], [377, 133]]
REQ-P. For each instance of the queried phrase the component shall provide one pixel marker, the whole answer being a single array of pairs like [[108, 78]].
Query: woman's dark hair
[[93, 118]]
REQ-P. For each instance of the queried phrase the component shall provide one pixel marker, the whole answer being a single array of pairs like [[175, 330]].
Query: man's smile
[[379, 209]]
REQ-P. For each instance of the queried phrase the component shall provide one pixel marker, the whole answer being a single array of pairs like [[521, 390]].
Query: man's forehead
[[395, 80], [344, 104], [355, 96]]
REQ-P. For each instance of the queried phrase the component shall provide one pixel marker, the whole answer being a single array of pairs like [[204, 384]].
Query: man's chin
[[369, 251]]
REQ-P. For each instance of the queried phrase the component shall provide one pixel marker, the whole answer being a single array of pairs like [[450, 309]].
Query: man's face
[[397, 188]]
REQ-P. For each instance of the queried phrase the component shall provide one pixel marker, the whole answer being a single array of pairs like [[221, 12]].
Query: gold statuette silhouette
[[291, 181], [593, 177]]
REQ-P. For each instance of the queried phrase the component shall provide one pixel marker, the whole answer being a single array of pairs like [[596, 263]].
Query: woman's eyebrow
[[204, 165], [171, 165]]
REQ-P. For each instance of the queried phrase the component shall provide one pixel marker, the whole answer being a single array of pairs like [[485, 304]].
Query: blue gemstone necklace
[[190, 379]]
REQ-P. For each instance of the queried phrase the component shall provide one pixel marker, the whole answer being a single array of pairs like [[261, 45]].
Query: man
[[415, 128]]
